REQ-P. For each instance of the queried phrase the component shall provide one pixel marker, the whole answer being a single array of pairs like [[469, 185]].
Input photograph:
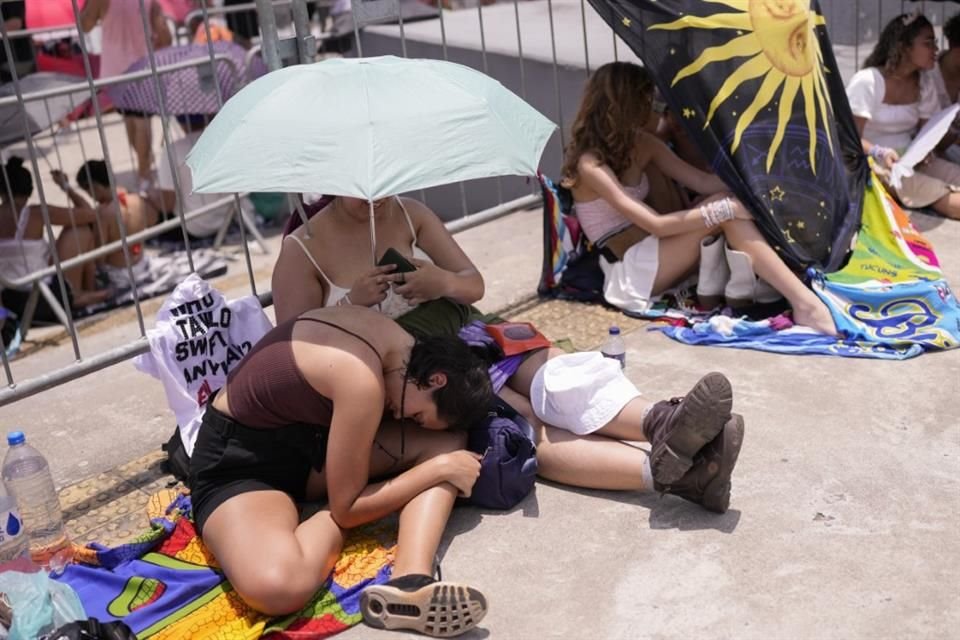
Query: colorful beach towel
[[890, 299], [165, 585]]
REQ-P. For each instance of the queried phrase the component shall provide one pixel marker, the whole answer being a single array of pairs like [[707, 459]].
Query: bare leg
[[140, 137], [598, 461], [592, 461], [808, 309], [424, 518], [678, 256], [275, 565], [948, 205]]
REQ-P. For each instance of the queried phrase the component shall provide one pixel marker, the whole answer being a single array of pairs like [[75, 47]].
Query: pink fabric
[[177, 9], [123, 40], [51, 13], [599, 220]]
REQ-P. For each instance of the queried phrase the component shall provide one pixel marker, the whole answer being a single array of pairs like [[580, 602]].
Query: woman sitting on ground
[[134, 214], [300, 418], [434, 299], [891, 100], [24, 248], [329, 262], [649, 253]]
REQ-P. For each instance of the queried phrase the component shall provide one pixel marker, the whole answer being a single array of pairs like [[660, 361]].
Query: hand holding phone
[[394, 257]]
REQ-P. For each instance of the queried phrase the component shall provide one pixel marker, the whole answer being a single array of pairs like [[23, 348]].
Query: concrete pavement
[[845, 503]]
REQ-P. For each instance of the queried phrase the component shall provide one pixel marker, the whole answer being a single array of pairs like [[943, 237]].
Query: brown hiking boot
[[678, 428], [708, 482], [420, 603]]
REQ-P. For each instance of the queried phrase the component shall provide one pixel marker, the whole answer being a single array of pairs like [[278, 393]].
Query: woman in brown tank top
[[300, 418]]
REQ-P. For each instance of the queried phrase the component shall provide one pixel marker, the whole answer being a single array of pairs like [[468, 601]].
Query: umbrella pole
[[373, 235]]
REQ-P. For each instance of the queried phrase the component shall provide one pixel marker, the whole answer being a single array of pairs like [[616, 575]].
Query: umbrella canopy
[[188, 90], [39, 115], [368, 127]]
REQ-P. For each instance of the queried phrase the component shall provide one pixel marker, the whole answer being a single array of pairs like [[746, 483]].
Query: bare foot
[[816, 316]]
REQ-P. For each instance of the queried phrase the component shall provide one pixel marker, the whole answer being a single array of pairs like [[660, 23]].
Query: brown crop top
[[267, 388]]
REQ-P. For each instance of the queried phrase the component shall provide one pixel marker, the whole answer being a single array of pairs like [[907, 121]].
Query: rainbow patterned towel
[[166, 585]]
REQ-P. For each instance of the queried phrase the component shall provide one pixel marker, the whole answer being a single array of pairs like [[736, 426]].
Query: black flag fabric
[[755, 84]]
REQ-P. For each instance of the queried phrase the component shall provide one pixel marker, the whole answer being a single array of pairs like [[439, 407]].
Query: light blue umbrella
[[367, 127]]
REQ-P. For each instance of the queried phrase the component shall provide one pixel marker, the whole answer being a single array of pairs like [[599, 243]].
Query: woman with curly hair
[[646, 253], [891, 100]]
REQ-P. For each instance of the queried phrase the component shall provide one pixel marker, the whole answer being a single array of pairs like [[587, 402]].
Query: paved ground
[[843, 520]]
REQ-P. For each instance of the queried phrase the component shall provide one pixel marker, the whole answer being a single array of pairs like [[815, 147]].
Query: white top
[[936, 77], [889, 125], [202, 226], [19, 257], [394, 305]]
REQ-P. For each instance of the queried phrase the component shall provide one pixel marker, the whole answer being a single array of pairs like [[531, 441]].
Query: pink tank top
[[599, 220], [123, 40]]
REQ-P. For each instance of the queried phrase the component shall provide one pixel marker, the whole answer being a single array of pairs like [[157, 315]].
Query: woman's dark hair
[[895, 39], [616, 105], [17, 180], [466, 397], [98, 173], [951, 30]]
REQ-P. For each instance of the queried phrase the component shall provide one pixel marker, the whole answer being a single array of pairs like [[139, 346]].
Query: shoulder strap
[[347, 331], [306, 252], [406, 215], [22, 221]]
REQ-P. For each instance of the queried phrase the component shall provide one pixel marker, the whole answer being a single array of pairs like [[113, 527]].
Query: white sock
[[646, 473]]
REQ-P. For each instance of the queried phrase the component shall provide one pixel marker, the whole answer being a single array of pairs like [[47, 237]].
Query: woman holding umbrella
[[300, 418]]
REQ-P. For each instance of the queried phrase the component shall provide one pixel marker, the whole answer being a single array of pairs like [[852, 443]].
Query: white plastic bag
[[40, 604]]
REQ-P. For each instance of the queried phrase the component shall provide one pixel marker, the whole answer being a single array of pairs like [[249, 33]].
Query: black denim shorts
[[230, 458]]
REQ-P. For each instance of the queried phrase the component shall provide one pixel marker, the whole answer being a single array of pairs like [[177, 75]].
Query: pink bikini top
[[599, 220]]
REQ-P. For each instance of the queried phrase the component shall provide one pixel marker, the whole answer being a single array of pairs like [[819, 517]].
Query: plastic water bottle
[[14, 545], [614, 347], [27, 476]]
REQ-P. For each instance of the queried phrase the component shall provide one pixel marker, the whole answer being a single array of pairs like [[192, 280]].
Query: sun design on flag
[[781, 44]]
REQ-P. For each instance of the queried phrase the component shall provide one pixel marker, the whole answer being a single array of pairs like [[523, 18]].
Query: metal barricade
[[542, 49]]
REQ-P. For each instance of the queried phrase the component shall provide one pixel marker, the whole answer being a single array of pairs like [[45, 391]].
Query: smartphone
[[392, 256]]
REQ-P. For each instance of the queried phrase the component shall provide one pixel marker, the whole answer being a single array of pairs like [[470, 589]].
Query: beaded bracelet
[[879, 153], [717, 212]]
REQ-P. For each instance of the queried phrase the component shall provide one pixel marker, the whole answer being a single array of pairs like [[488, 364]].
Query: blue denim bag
[[509, 466]]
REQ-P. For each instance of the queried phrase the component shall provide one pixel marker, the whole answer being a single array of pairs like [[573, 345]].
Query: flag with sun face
[[756, 86]]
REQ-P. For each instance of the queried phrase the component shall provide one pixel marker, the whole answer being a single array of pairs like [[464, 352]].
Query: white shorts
[[628, 283], [580, 392]]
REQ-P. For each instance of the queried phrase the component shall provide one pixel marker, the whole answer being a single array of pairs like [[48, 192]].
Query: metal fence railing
[[542, 49]]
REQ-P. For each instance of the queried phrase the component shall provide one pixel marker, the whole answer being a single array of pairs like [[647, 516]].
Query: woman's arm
[[885, 156], [296, 287], [158, 24], [601, 180], [91, 14], [357, 393], [673, 166], [453, 274]]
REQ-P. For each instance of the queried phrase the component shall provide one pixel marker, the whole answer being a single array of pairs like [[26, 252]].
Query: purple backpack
[[509, 466]]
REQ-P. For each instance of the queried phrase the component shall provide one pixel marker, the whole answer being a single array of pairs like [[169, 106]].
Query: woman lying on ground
[[300, 418], [135, 216], [647, 253], [24, 248], [891, 100], [434, 300]]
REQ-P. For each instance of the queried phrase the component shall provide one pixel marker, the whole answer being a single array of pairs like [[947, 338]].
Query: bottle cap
[[15, 438], [614, 330]]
